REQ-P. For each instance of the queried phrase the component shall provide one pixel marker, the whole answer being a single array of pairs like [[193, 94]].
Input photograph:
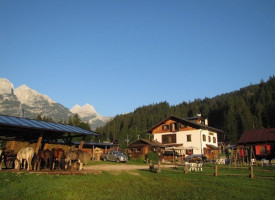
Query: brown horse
[[8, 157], [81, 157], [44, 157], [59, 158]]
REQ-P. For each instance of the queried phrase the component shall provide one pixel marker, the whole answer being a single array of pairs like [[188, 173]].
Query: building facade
[[187, 136]]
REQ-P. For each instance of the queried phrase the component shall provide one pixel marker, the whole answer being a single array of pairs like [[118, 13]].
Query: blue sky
[[120, 55]]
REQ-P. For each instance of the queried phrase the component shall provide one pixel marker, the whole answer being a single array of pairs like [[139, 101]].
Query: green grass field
[[169, 184]]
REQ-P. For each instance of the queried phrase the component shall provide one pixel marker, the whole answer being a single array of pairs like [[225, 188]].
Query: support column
[[38, 144], [81, 144], [93, 152], [45, 146]]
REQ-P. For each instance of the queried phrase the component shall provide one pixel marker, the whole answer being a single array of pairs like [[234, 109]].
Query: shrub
[[152, 156]]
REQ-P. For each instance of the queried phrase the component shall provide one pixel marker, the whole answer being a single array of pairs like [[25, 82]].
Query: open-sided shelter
[[39, 133]]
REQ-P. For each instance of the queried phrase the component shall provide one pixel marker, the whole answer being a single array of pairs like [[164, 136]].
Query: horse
[[44, 157], [59, 157], [8, 156], [24, 154], [81, 157]]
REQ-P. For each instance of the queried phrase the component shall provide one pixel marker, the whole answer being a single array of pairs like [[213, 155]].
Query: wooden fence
[[230, 170]]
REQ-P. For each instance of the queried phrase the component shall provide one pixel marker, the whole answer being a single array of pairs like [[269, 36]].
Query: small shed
[[262, 141], [141, 147]]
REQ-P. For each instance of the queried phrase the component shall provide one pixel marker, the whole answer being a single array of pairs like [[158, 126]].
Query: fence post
[[159, 168], [186, 168], [216, 170], [251, 172]]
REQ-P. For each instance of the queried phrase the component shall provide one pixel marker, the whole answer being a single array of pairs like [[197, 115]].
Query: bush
[[152, 156]]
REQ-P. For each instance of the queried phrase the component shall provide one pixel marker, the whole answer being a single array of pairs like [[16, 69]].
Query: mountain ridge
[[26, 102]]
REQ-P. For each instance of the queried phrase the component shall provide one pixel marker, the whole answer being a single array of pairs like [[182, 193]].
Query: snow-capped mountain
[[88, 114], [24, 101]]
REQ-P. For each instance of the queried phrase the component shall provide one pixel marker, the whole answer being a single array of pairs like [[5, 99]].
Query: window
[[165, 127], [188, 138], [171, 138], [138, 150], [174, 127], [209, 139], [214, 140], [204, 137]]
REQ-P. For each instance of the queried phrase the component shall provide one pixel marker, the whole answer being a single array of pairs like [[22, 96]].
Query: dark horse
[[8, 156], [43, 159], [58, 158]]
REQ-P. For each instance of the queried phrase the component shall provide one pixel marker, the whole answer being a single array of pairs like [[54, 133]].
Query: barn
[[17, 133], [262, 141]]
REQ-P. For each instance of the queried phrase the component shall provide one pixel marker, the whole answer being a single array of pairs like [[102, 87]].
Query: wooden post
[[81, 144], [38, 144], [186, 168], [216, 170], [159, 169], [93, 152], [251, 172], [45, 146], [251, 149], [151, 166]]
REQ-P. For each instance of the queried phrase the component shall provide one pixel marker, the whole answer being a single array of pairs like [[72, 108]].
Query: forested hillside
[[252, 107]]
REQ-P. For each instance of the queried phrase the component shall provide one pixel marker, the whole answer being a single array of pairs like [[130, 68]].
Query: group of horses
[[53, 159]]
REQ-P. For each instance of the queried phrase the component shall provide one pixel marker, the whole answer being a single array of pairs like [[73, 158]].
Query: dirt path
[[121, 167], [90, 169]]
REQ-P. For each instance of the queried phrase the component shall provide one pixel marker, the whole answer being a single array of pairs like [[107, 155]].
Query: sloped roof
[[152, 143], [255, 136], [187, 122], [23, 128]]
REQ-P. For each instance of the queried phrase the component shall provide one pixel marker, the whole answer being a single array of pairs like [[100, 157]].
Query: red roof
[[254, 136]]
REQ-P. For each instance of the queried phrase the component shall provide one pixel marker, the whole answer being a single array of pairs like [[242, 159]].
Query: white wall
[[196, 143]]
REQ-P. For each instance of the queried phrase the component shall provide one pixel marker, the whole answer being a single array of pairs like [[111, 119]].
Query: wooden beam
[[38, 144], [81, 144]]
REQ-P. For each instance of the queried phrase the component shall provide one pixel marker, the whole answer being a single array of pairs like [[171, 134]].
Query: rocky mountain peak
[[28, 96], [84, 111], [6, 87]]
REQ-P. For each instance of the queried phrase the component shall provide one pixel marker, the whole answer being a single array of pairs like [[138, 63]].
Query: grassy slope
[[170, 184]]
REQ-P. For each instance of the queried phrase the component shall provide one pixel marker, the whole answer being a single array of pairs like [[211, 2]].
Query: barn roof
[[255, 136], [152, 143], [22, 128]]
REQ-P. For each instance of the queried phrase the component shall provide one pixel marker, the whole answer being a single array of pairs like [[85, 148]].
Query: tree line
[[252, 107]]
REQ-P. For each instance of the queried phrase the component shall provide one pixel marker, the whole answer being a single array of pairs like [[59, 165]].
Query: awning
[[190, 148], [212, 146]]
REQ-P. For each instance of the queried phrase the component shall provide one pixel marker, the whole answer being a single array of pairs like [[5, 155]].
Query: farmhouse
[[187, 136], [141, 147], [262, 141]]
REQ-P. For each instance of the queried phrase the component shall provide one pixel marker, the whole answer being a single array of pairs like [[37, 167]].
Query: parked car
[[114, 156]]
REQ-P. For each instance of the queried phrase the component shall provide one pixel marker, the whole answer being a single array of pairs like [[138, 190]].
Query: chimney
[[206, 122]]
